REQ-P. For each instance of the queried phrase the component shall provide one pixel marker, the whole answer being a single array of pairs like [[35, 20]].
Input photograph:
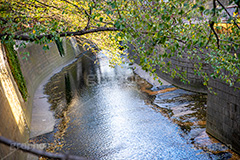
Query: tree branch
[[228, 13], [64, 34], [47, 5], [118, 10], [214, 7], [211, 24], [89, 19], [215, 33], [209, 39]]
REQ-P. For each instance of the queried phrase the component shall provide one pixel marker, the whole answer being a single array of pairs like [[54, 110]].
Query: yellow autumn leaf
[[234, 14]]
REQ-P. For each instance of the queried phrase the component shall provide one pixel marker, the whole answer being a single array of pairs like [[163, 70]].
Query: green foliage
[[60, 47], [181, 28], [16, 69]]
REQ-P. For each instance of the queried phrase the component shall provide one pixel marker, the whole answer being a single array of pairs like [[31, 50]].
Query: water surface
[[106, 113]]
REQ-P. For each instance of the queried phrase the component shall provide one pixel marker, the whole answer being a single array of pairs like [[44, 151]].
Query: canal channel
[[113, 113]]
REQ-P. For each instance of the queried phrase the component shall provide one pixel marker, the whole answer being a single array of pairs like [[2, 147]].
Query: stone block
[[210, 127], [228, 121], [235, 144], [233, 111], [210, 118], [236, 128], [227, 131], [233, 99], [226, 111]]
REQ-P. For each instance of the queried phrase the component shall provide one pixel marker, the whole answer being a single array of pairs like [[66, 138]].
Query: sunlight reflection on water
[[113, 119]]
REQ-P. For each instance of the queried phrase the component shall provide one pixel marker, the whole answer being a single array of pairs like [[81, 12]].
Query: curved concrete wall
[[38, 66], [13, 123]]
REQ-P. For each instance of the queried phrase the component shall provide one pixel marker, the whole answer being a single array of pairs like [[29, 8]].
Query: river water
[[111, 113]]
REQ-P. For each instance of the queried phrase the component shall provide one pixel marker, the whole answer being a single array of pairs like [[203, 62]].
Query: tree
[[177, 26]]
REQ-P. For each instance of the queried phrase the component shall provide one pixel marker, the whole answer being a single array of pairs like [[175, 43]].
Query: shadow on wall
[[15, 114], [12, 118]]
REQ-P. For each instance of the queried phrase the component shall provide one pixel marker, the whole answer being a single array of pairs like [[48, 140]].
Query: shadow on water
[[111, 113]]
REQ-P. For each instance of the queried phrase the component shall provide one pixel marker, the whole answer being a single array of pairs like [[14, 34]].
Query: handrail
[[38, 152]]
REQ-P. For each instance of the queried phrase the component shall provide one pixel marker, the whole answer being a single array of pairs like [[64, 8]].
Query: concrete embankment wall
[[185, 64], [223, 114], [40, 64], [13, 121], [15, 114]]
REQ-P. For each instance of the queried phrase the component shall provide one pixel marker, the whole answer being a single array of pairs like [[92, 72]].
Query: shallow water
[[107, 113]]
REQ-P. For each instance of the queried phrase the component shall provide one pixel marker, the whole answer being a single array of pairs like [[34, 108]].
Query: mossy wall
[[12, 118], [14, 64]]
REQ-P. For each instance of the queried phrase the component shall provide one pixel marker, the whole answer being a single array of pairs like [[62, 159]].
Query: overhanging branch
[[228, 13], [211, 24], [64, 34]]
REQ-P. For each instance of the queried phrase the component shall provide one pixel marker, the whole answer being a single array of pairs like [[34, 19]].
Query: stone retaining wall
[[196, 82], [223, 114]]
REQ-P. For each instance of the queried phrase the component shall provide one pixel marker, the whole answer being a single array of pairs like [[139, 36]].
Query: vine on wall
[[16, 69], [60, 47]]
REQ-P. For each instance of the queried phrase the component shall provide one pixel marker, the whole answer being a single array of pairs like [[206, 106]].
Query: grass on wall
[[16, 69], [60, 47]]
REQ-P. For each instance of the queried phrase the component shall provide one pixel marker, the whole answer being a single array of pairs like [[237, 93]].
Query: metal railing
[[37, 152]]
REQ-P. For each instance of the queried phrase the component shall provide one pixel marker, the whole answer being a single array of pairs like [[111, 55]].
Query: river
[[112, 113]]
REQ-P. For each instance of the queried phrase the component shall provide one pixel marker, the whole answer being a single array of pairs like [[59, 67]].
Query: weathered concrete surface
[[15, 114], [43, 120], [38, 68], [12, 108], [39, 65], [223, 114]]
